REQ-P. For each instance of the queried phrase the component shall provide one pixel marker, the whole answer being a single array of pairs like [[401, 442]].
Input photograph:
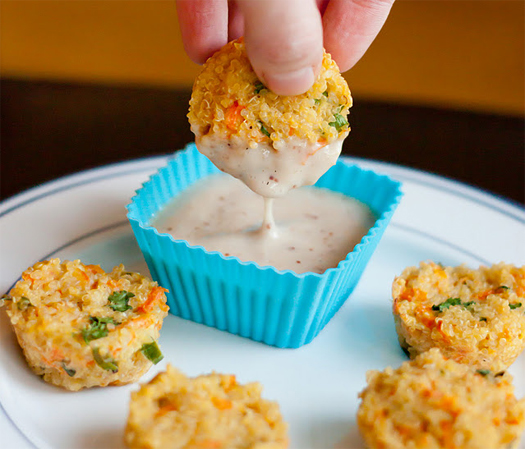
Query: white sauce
[[268, 171], [314, 228]]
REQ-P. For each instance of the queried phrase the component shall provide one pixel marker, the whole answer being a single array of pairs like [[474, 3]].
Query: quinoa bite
[[229, 100], [476, 317], [208, 411], [273, 143], [434, 403], [81, 327]]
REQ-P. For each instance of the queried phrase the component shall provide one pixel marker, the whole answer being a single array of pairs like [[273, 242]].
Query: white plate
[[83, 216]]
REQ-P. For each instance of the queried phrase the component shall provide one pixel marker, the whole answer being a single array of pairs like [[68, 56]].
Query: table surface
[[53, 129]]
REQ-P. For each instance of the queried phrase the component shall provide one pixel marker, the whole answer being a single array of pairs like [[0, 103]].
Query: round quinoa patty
[[80, 327], [476, 317], [229, 100], [270, 142], [209, 411], [434, 403]]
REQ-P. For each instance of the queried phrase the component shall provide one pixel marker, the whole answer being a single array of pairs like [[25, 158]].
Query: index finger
[[203, 26]]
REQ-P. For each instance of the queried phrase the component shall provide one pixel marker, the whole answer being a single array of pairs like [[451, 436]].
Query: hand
[[284, 38]]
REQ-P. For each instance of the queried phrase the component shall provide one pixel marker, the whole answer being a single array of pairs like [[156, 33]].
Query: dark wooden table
[[52, 129]]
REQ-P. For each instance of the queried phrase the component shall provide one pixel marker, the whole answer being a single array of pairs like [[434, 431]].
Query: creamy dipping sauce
[[314, 228], [271, 169]]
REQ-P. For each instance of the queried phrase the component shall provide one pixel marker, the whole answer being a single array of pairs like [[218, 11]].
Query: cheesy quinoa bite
[[272, 143], [476, 317], [81, 327], [173, 411], [434, 403]]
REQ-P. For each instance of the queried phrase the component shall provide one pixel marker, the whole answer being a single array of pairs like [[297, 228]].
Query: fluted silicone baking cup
[[279, 308]]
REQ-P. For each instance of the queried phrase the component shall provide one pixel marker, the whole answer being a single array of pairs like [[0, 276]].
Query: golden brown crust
[[476, 317], [79, 326], [210, 411], [229, 101], [435, 403]]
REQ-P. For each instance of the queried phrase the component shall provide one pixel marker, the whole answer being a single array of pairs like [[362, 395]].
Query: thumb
[[284, 41]]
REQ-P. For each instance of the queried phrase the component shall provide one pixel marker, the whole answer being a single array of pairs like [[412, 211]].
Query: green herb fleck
[[483, 372], [317, 101], [4, 298], [98, 328], [339, 123], [516, 305], [502, 287], [119, 301], [258, 87], [24, 303], [264, 130], [69, 371], [445, 305], [107, 363], [451, 302], [483, 319], [152, 352], [325, 93]]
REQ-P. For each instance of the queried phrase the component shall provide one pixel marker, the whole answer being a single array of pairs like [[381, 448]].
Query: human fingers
[[235, 21], [284, 42], [203, 26], [350, 26]]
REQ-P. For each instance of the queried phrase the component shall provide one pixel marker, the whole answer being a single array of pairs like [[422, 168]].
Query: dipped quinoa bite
[[434, 403], [476, 317], [208, 411], [81, 327], [272, 143]]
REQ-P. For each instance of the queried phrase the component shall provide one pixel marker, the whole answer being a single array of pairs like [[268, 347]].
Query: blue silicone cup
[[279, 308]]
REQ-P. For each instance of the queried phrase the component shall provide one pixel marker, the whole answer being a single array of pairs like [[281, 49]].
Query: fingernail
[[290, 83]]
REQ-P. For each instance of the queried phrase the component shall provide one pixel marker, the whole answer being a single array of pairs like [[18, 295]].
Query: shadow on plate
[[101, 438], [352, 440], [328, 434]]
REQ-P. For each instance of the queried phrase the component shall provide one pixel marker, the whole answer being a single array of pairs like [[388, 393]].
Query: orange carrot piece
[[233, 116], [483, 295], [95, 269], [446, 429], [407, 294], [222, 404], [427, 317], [113, 284], [154, 296], [81, 275]]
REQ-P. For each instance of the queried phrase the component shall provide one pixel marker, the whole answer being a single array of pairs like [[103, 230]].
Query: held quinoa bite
[[476, 317], [209, 411], [272, 143], [434, 403], [81, 327]]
